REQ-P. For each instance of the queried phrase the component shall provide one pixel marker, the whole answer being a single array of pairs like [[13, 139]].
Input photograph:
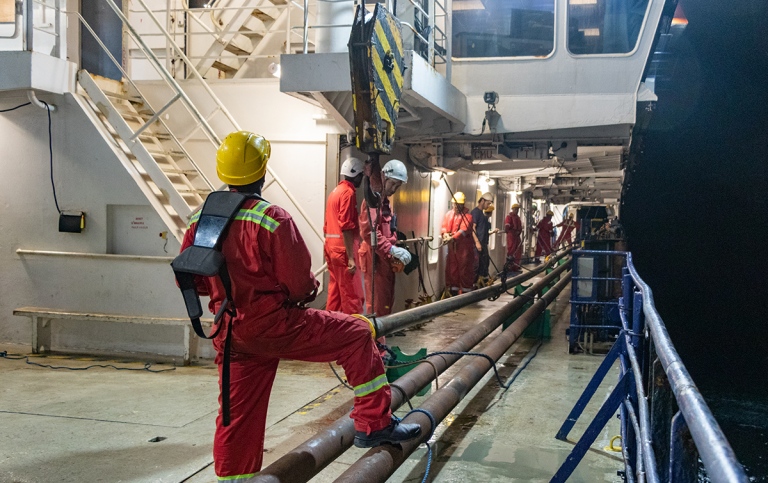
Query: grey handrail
[[713, 447]]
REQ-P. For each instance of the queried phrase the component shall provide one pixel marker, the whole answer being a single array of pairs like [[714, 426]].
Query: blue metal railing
[[662, 411]]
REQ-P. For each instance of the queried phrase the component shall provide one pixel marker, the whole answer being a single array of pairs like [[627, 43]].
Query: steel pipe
[[309, 458], [379, 463], [401, 320]]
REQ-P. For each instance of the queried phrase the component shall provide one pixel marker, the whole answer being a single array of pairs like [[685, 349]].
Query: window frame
[[613, 55], [523, 57]]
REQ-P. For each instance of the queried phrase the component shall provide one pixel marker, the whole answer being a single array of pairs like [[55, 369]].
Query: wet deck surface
[[96, 425]]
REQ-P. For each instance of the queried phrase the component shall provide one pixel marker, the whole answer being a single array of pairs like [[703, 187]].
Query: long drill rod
[[379, 463], [309, 458]]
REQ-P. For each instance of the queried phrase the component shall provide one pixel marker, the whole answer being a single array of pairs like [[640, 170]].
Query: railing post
[[305, 47], [29, 21], [638, 319], [57, 28], [448, 38], [626, 291], [431, 36], [683, 456]]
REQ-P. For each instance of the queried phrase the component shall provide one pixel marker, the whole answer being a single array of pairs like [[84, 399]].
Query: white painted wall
[[89, 178]]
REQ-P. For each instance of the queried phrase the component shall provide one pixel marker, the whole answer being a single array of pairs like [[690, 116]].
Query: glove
[[446, 237], [401, 254]]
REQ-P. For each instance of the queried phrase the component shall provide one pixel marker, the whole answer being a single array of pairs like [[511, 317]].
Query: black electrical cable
[[147, 365], [342, 381], [14, 108], [50, 153]]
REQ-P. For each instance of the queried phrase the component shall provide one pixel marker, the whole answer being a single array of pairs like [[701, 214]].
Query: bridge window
[[604, 26], [503, 28]]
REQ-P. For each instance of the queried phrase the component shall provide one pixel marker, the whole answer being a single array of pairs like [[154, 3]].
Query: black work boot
[[395, 433]]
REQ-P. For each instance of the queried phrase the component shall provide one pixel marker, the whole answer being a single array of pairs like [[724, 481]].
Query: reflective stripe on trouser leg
[[371, 386]]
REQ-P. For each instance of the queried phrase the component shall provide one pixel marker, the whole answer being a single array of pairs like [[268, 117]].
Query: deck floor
[[97, 425]]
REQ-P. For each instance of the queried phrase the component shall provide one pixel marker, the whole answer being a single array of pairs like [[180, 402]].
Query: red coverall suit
[[345, 290], [385, 277], [544, 238], [462, 255], [513, 226], [566, 235], [269, 265]]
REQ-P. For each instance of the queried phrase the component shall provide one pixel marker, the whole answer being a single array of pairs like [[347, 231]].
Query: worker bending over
[[379, 269], [462, 254], [270, 270], [481, 227], [544, 236], [342, 241], [566, 236], [513, 227]]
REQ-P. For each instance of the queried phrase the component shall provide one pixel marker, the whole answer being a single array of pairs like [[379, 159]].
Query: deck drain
[[157, 439]]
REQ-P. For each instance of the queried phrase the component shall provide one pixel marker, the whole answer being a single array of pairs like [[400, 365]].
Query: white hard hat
[[395, 169], [352, 167], [487, 196]]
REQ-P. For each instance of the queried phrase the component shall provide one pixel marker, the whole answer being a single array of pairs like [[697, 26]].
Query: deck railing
[[666, 426]]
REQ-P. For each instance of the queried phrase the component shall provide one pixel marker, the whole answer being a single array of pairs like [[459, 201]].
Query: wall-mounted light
[[274, 69]]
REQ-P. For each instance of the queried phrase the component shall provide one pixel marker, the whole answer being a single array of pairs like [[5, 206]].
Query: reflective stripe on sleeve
[[371, 386]]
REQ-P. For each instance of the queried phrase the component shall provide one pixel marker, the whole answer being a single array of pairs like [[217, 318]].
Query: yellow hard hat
[[516, 205], [489, 209], [242, 158], [549, 213], [459, 198]]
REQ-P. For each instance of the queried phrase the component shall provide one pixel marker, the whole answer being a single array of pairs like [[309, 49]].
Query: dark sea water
[[696, 213]]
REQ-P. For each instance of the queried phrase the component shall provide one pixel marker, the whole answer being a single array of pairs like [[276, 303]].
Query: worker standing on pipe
[[544, 236], [386, 256], [342, 241], [462, 254], [566, 236], [269, 266], [513, 227], [481, 227]]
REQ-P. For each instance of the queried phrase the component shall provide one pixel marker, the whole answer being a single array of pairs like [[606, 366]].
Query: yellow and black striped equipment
[[376, 64]]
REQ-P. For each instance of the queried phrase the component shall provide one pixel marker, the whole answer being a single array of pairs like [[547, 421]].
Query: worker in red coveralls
[[462, 255], [544, 236], [566, 236], [379, 274], [270, 269], [513, 227], [342, 241]]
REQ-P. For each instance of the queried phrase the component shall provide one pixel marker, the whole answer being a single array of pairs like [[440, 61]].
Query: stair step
[[193, 190], [150, 136], [124, 97], [263, 16], [234, 49], [172, 153], [224, 67], [187, 172], [279, 2], [251, 34], [108, 86]]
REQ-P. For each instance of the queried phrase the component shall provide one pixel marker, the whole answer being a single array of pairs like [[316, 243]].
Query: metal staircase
[[167, 150], [156, 159], [230, 36]]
